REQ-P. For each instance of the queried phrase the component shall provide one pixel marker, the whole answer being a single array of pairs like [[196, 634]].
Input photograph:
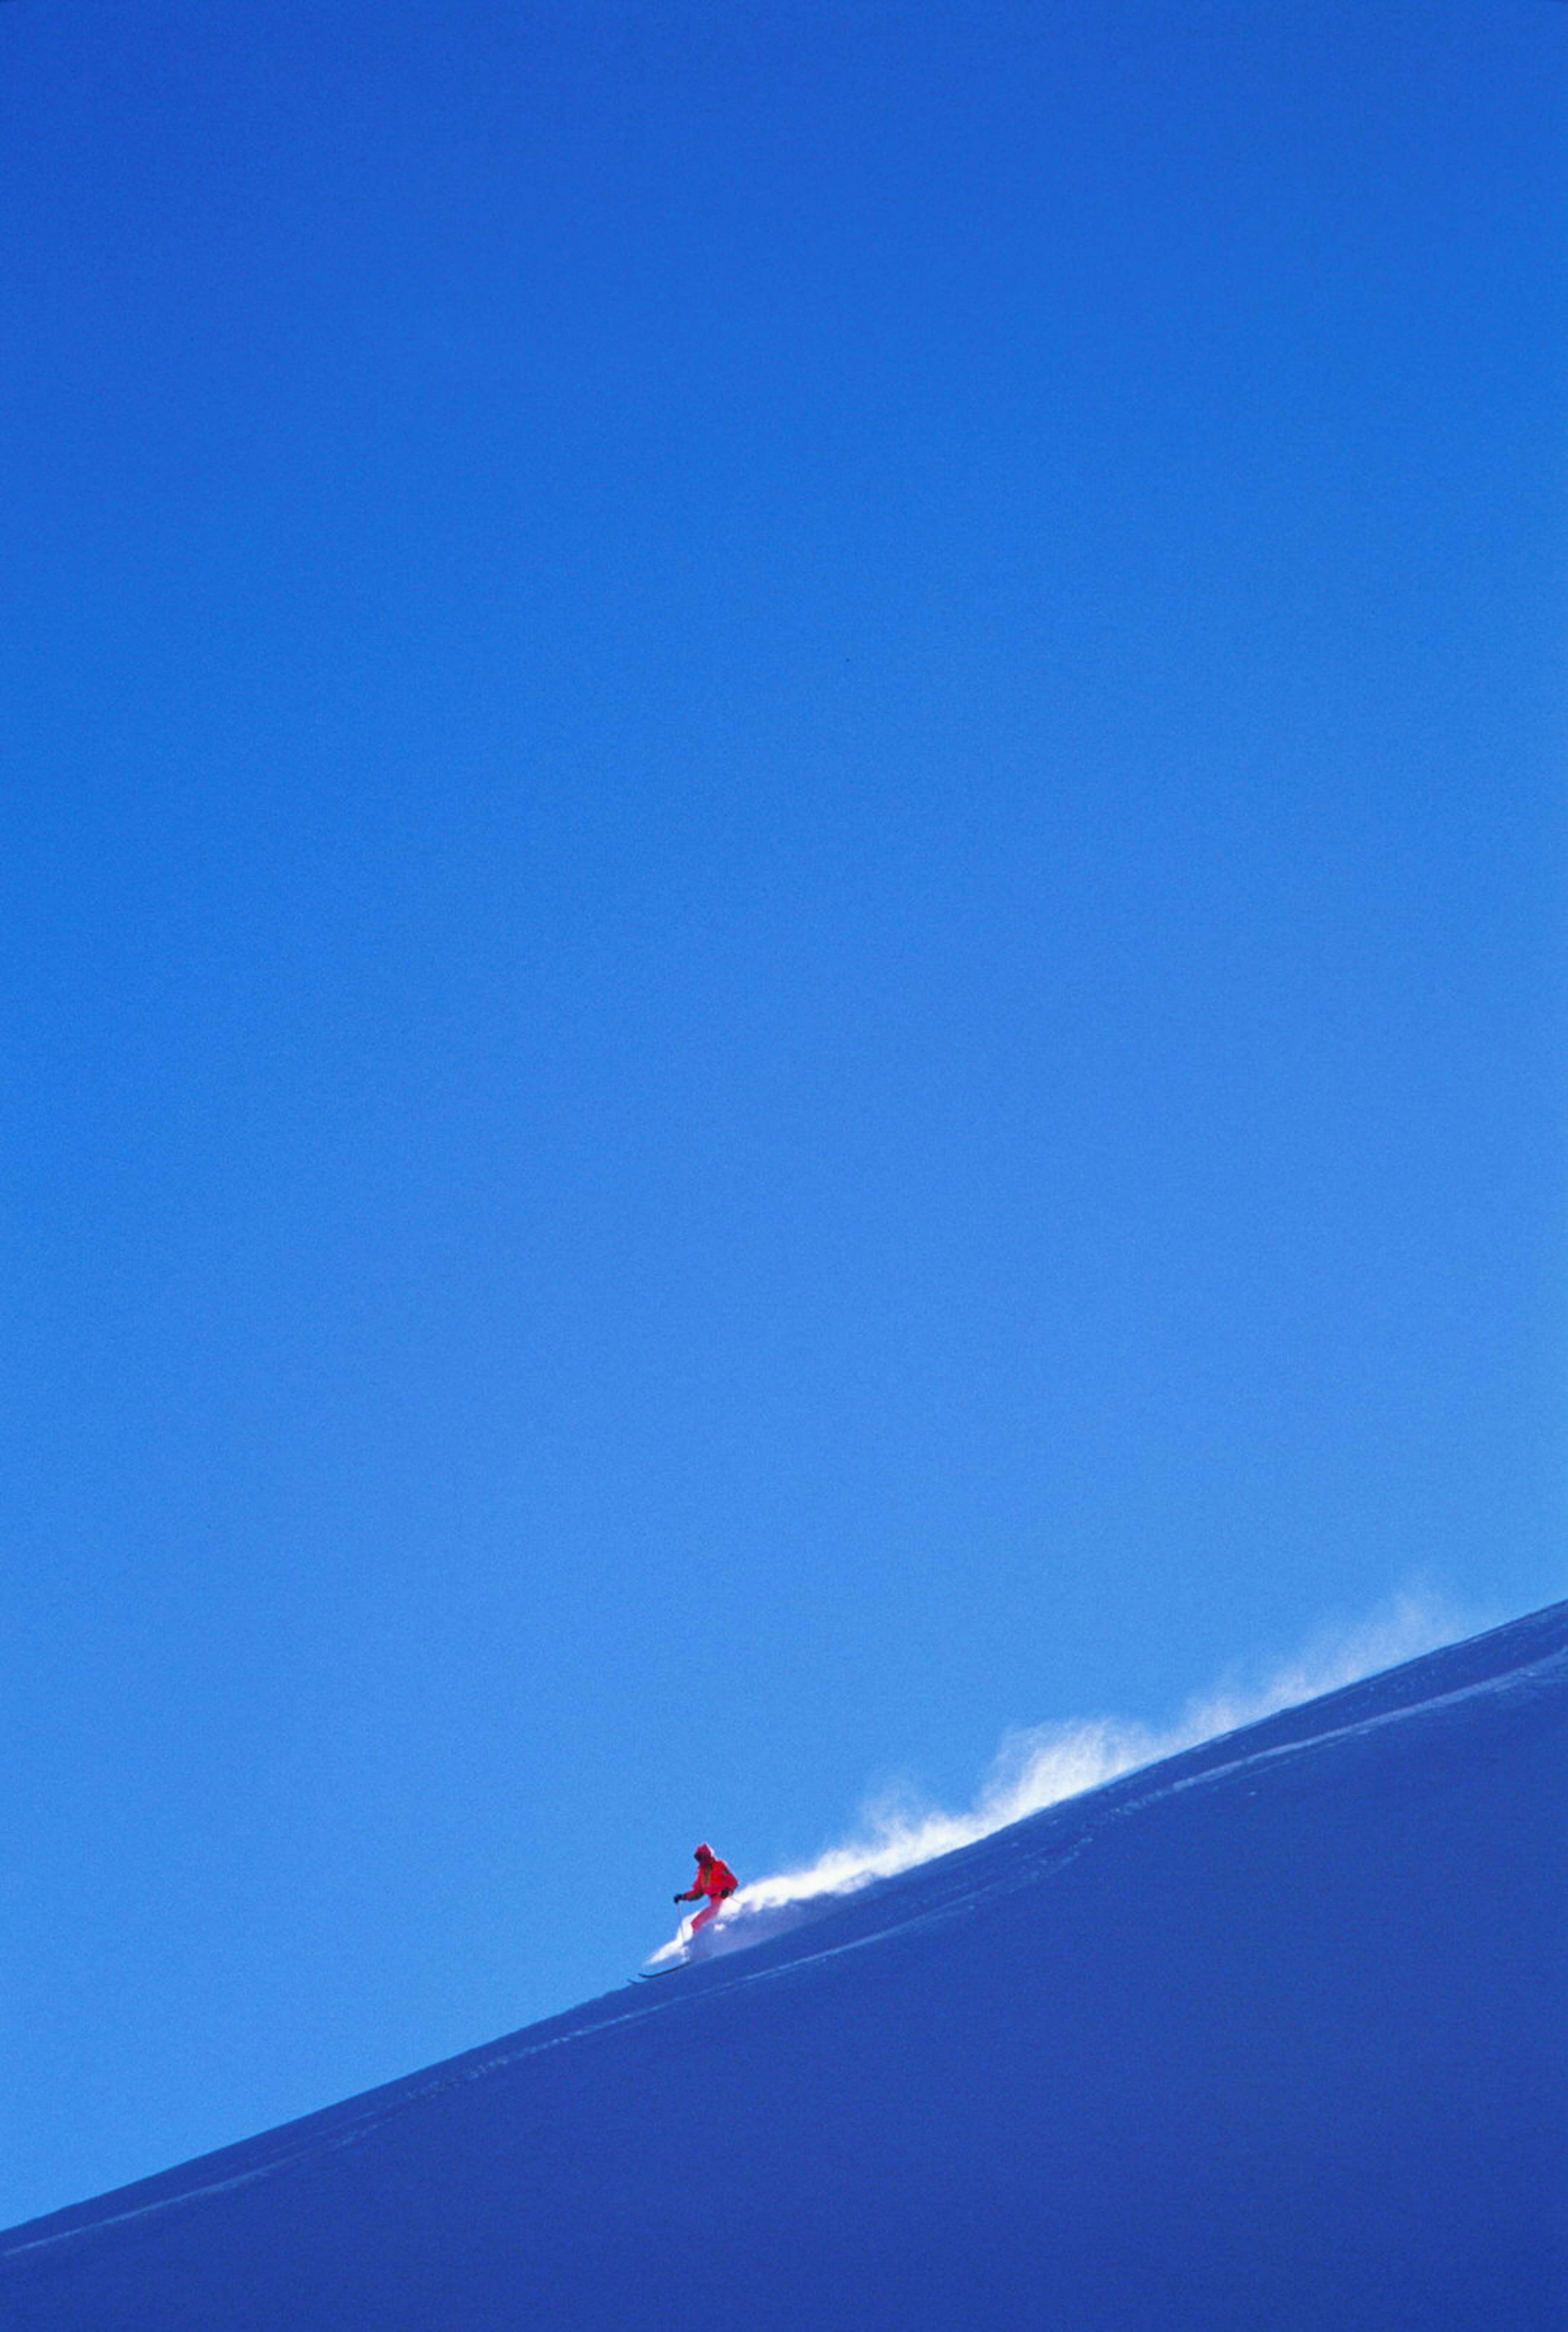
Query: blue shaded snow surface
[[1269, 2036]]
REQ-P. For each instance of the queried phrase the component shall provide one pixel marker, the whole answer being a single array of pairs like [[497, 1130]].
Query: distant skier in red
[[716, 1879]]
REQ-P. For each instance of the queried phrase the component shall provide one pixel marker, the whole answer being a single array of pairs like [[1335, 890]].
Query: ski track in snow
[[1043, 1766], [1046, 1765], [933, 1901]]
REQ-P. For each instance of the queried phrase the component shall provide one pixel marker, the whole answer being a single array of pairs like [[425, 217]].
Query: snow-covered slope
[[1272, 2035]]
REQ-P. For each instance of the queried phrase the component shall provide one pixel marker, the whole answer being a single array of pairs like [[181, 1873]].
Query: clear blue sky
[[782, 893]]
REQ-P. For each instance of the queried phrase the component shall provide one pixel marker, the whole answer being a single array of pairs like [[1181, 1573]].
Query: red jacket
[[714, 1878]]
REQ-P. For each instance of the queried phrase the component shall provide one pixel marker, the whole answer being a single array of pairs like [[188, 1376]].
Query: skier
[[716, 1879]]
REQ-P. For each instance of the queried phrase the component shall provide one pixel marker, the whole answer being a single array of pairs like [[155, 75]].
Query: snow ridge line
[[1538, 1673], [1533, 1676]]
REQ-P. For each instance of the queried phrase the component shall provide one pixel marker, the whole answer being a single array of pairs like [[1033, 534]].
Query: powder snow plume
[[1038, 1765]]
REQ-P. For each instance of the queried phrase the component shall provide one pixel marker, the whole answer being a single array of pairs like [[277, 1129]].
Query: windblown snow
[[1269, 2034], [1042, 1765]]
